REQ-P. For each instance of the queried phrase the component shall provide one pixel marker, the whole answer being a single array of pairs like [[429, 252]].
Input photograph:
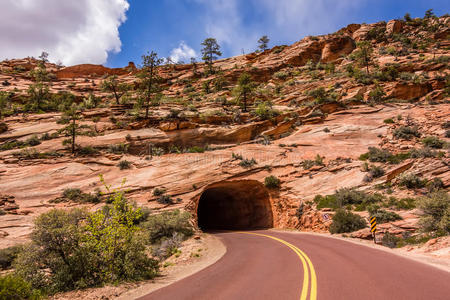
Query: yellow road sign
[[373, 224]]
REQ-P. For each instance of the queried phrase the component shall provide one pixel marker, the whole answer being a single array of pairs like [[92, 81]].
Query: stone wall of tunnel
[[234, 205]]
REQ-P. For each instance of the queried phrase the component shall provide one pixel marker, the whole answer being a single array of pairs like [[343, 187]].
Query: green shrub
[[447, 133], [403, 203], [247, 163], [166, 199], [406, 132], [77, 249], [381, 155], [13, 287], [423, 152], [280, 75], [346, 221], [118, 148], [272, 182], [124, 164], [7, 255], [265, 111], [390, 240], [76, 195], [166, 224], [389, 121], [411, 181], [88, 150], [168, 246], [33, 141], [158, 191], [433, 142], [347, 196], [436, 209], [435, 185], [376, 171], [384, 216]]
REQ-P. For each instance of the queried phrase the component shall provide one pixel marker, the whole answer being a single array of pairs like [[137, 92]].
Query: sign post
[[373, 228]]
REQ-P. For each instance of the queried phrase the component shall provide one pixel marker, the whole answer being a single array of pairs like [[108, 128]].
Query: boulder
[[337, 47], [394, 26]]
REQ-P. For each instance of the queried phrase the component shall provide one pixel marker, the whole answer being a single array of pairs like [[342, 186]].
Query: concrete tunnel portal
[[235, 205]]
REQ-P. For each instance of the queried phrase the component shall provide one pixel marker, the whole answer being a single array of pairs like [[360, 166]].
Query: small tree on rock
[[39, 91], [364, 54], [263, 42], [149, 79], [210, 52], [112, 85], [244, 89], [73, 129]]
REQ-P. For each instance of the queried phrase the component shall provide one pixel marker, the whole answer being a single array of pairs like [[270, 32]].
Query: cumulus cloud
[[73, 32], [182, 53]]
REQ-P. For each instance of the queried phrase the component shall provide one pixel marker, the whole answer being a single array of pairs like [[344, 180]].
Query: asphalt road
[[282, 266]]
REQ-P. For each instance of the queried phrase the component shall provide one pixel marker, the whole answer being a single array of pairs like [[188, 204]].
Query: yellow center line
[[306, 262]]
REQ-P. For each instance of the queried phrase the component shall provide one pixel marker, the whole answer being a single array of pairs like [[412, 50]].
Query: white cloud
[[74, 31], [182, 53]]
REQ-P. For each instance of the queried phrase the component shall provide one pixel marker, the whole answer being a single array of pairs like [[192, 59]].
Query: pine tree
[[73, 129], [39, 91], [210, 52], [364, 54], [244, 89], [111, 84], [263, 42], [149, 79]]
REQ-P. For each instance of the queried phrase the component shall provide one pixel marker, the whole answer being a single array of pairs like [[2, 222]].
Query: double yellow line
[[307, 268]]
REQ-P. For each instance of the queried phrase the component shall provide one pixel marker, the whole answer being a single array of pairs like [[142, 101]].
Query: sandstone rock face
[[407, 91], [394, 26], [88, 70], [337, 47]]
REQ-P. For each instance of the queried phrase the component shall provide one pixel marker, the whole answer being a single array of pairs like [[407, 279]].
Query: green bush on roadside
[[346, 221]]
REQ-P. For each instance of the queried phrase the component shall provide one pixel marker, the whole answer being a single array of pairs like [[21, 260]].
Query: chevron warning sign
[[373, 224]]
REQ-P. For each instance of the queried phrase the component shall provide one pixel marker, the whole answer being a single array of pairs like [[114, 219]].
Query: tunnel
[[234, 205]]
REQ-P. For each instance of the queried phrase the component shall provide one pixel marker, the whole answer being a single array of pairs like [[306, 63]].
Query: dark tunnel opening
[[235, 205]]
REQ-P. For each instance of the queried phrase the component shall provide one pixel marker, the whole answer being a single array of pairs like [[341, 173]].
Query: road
[[277, 265]]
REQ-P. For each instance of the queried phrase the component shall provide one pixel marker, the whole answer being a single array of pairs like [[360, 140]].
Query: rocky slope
[[313, 143]]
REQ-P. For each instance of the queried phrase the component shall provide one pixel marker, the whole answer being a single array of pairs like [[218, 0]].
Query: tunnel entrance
[[235, 205]]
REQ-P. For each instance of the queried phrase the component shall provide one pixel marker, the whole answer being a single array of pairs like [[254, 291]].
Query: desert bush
[[435, 185], [377, 94], [265, 111], [423, 152], [118, 148], [403, 203], [280, 75], [166, 224], [167, 199], [433, 142], [384, 216], [436, 209], [88, 150], [76, 195], [124, 164], [390, 240], [388, 121], [247, 163], [447, 133], [158, 191], [168, 246], [381, 155], [7, 256], [347, 196], [406, 132], [14, 287], [33, 141], [272, 182], [346, 221], [76, 249], [411, 181]]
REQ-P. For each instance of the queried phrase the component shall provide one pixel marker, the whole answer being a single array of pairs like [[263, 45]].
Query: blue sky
[[161, 25]]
